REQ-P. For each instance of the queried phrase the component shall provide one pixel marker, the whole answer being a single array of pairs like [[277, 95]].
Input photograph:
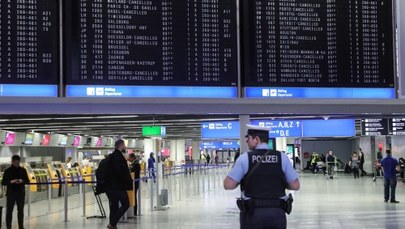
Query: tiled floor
[[340, 203]]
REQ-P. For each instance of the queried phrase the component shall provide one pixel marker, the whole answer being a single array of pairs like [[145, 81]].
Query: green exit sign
[[153, 131]]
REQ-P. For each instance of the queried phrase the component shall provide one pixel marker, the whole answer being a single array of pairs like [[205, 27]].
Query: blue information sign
[[308, 92], [329, 128], [222, 130], [220, 145], [287, 128]]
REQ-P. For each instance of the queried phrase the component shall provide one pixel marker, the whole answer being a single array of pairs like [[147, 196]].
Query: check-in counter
[[68, 174]]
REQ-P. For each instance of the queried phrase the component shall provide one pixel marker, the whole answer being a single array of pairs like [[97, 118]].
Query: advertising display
[[29, 138], [318, 49], [76, 141], [46, 139], [123, 48], [10, 138], [29, 48]]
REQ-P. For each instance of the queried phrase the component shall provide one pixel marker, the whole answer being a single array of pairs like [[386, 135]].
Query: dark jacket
[[15, 173], [135, 168], [118, 176]]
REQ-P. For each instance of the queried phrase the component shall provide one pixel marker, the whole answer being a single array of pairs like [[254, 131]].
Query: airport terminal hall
[[196, 114]]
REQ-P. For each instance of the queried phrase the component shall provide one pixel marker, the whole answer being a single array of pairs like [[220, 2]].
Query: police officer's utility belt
[[248, 206]]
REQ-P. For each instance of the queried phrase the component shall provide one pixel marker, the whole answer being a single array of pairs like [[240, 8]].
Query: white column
[[177, 150], [281, 144], [149, 146], [243, 120], [196, 150]]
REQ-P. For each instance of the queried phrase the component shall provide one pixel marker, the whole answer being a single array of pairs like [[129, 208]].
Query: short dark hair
[[119, 142], [131, 155], [15, 158], [388, 151], [263, 136]]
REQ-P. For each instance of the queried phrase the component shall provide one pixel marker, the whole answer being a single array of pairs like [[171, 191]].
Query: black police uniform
[[264, 184], [15, 193]]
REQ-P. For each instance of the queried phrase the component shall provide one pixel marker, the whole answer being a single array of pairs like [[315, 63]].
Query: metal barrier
[[199, 179]]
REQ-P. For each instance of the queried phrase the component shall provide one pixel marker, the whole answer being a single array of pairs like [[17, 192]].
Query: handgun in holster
[[245, 206], [288, 204]]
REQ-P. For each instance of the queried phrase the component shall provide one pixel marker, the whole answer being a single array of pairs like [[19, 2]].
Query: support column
[[243, 120], [281, 144], [177, 150], [196, 151], [149, 146]]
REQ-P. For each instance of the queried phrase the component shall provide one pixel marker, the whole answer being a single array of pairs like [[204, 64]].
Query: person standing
[[216, 159], [389, 167], [208, 157], [354, 162], [331, 160], [117, 183], [15, 179], [136, 169], [151, 166], [264, 175], [361, 165]]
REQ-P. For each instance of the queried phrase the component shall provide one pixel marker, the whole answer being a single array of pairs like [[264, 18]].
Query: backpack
[[102, 176]]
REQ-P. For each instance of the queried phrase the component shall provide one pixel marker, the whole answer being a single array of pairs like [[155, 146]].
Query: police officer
[[264, 176]]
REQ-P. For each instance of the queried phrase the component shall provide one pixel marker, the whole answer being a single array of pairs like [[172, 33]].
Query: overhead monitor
[[76, 140], [29, 139], [46, 138], [10, 138], [99, 142], [63, 140], [329, 128], [153, 131], [317, 49], [29, 48], [374, 127], [396, 126], [170, 48]]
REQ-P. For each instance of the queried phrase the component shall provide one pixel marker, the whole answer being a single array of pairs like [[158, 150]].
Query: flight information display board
[[29, 45], [151, 42], [396, 126], [374, 127], [307, 43]]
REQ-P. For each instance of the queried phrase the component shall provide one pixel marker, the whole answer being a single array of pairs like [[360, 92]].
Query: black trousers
[[264, 218], [390, 183], [115, 198], [14, 197]]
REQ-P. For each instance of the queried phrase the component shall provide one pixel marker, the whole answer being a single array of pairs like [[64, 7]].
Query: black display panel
[[29, 42], [312, 43], [396, 126], [374, 127], [151, 42]]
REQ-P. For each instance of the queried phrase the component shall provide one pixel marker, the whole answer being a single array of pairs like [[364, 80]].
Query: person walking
[[331, 160], [118, 182], [361, 165], [151, 166], [15, 178], [264, 175], [354, 163], [135, 168], [389, 168]]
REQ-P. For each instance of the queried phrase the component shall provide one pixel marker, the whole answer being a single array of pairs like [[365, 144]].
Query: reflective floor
[[201, 203]]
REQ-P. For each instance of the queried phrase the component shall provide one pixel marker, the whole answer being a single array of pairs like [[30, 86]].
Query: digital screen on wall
[[10, 138], [325, 49], [110, 43], [46, 139], [76, 141], [29, 48], [99, 142], [63, 140], [29, 139]]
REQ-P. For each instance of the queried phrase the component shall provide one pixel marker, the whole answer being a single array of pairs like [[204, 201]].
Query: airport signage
[[153, 131], [374, 127], [220, 145], [288, 128], [222, 130]]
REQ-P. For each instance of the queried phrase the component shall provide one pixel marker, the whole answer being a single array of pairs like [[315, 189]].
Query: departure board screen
[[29, 42], [151, 42], [312, 43]]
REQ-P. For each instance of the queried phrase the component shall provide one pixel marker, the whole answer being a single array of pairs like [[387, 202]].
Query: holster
[[245, 206], [288, 204]]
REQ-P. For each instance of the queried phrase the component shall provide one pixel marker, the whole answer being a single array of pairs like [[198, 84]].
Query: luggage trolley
[[332, 167]]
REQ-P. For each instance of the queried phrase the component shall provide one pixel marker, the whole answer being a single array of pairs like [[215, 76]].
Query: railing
[[181, 182]]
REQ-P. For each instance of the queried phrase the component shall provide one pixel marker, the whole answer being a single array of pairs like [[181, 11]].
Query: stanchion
[[151, 194], [29, 202], [66, 201], [203, 182], [49, 195], [139, 200], [209, 180], [180, 186], [84, 198]]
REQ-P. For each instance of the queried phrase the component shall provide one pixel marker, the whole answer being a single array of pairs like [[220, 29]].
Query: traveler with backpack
[[118, 181]]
